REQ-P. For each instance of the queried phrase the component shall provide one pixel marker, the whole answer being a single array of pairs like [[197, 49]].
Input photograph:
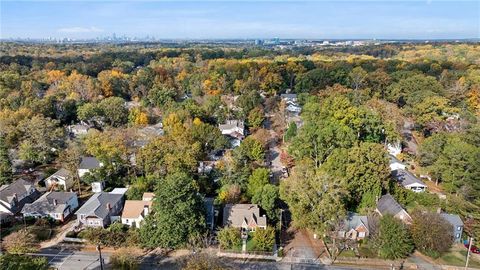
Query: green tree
[[255, 118], [433, 240], [259, 178], [22, 262], [178, 213], [249, 150], [264, 239], [114, 111], [413, 89], [458, 168], [161, 95], [41, 140], [229, 238], [267, 197], [291, 131], [5, 163], [431, 149], [314, 198], [365, 169], [393, 239]]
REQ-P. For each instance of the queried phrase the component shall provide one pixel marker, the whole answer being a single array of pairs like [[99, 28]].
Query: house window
[[361, 234]]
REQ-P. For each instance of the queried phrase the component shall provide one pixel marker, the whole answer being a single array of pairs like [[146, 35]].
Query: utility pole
[[100, 256], [468, 252]]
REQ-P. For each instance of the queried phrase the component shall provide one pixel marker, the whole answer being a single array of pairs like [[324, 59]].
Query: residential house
[[209, 212], [15, 195], [78, 130], [354, 227], [244, 216], [57, 205], [121, 191], [388, 205], [146, 134], [396, 164], [100, 210], [205, 166], [135, 211], [61, 178], [235, 130], [289, 97], [87, 165], [394, 148], [408, 180], [457, 226]]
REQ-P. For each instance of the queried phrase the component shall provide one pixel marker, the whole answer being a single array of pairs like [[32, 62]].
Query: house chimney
[[439, 210], [54, 201], [15, 197], [109, 206], [145, 210]]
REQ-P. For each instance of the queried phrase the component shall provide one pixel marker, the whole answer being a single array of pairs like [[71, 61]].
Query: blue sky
[[245, 19]]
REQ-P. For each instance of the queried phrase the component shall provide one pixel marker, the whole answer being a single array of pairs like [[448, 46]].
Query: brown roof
[[133, 209]]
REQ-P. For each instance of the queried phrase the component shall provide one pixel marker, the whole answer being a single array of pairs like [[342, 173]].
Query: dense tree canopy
[[178, 213]]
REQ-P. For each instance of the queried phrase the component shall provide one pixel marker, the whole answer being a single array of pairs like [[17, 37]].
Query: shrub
[[124, 259], [264, 239], [229, 238]]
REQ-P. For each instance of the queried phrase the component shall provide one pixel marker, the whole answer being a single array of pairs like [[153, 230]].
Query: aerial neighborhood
[[365, 155]]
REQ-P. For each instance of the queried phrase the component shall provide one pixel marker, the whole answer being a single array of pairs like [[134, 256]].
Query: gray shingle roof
[[89, 163], [354, 220], [19, 187], [45, 204], [406, 178], [97, 204], [455, 220], [236, 214], [393, 159], [62, 173], [388, 205]]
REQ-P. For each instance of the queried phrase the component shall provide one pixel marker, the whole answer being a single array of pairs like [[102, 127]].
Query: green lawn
[[348, 253], [457, 258]]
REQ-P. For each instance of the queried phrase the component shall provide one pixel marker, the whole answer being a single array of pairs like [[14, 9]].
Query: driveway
[[302, 247]]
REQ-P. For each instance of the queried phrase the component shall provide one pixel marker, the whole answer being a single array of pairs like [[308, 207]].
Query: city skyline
[[242, 20]]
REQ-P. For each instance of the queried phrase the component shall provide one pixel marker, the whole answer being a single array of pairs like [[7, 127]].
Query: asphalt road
[[69, 259]]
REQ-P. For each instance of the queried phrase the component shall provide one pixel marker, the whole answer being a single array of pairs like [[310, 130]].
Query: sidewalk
[[60, 236]]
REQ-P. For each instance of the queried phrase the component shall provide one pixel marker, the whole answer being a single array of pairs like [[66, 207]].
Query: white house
[[408, 180], [396, 164], [57, 205], [234, 128], [394, 148], [78, 129], [88, 164], [135, 211], [62, 178]]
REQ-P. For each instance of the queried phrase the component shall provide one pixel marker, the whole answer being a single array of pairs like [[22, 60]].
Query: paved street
[[69, 259]]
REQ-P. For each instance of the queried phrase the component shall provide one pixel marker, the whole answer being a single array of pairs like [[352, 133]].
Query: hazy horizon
[[242, 20]]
